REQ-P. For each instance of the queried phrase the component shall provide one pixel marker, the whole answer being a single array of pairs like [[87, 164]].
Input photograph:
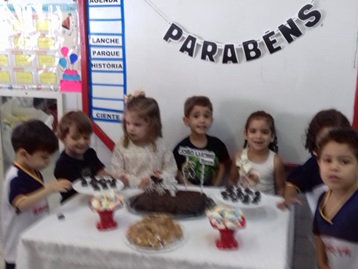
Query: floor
[[303, 257]]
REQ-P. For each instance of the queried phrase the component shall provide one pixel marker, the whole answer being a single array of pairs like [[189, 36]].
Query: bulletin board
[[39, 48]]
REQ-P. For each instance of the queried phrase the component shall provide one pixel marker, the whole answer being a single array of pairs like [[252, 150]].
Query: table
[[75, 242]]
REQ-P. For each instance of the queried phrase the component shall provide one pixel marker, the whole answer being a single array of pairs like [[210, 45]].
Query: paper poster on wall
[[36, 34], [107, 69]]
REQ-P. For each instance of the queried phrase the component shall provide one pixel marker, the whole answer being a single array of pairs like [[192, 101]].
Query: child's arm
[[321, 255], [26, 201], [301, 179], [102, 172], [280, 175], [117, 169], [219, 176], [169, 166], [234, 170], [290, 197]]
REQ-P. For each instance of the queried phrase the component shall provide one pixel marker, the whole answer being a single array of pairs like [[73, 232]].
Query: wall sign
[[250, 49], [31, 50], [106, 51]]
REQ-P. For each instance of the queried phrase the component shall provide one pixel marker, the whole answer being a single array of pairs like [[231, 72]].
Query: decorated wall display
[[106, 54], [39, 48]]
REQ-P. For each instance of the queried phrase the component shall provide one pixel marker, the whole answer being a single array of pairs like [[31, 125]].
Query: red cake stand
[[227, 239], [106, 221]]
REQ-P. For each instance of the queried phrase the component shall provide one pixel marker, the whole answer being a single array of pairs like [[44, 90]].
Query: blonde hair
[[147, 109]]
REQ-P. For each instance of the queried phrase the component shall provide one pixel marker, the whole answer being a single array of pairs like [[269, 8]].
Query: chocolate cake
[[184, 203]]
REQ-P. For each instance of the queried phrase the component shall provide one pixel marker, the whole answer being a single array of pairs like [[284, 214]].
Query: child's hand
[[252, 179], [61, 185], [291, 197], [157, 172], [145, 182], [124, 179]]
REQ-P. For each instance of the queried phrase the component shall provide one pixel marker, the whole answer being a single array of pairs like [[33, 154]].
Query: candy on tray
[[238, 194], [106, 201]]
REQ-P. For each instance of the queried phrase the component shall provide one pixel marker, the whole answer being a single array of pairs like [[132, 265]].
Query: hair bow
[[131, 96]]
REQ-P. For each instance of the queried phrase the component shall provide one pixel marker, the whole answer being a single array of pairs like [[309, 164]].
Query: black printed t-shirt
[[198, 164]]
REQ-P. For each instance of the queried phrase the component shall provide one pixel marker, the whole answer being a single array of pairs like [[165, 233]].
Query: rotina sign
[[250, 49]]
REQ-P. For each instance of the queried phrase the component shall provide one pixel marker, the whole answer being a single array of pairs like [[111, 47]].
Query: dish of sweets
[[179, 204], [241, 197], [97, 185], [155, 233]]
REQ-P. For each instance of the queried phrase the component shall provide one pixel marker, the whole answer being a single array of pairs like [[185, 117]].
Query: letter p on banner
[[174, 33]]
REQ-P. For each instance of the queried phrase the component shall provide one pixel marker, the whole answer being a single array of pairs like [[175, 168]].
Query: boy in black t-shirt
[[201, 159], [78, 159]]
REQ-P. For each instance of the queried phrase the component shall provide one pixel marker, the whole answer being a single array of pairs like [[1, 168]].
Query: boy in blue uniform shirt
[[24, 191], [336, 219]]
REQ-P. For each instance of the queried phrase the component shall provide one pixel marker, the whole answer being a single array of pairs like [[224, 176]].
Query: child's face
[[76, 144], [37, 160], [137, 128], [258, 134], [199, 120], [338, 166]]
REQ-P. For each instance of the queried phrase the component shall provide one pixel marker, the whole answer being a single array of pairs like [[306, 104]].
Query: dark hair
[[34, 135], [346, 136], [265, 116], [196, 101], [330, 118], [147, 109], [74, 118]]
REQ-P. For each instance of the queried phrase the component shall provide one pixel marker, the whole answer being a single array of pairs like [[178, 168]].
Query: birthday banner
[[308, 16], [39, 48]]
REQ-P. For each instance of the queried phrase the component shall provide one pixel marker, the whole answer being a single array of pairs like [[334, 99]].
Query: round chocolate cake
[[184, 203]]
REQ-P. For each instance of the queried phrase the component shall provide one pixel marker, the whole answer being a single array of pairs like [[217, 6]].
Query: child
[[336, 219], [24, 192], [306, 177], [258, 164], [142, 152], [78, 159], [201, 158]]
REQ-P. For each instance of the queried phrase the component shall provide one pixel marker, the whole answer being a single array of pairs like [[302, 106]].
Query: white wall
[[316, 71]]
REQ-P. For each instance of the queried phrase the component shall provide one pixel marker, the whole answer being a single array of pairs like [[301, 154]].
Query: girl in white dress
[[142, 152], [258, 164]]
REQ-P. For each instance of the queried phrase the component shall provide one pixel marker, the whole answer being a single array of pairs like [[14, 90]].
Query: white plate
[[77, 186], [173, 246], [239, 203]]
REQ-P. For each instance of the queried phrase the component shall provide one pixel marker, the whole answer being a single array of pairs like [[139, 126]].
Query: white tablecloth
[[75, 242]]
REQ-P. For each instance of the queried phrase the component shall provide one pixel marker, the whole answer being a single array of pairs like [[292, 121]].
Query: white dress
[[137, 162], [263, 171]]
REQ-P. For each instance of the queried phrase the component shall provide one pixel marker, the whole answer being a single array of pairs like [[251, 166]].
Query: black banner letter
[[174, 33], [290, 31], [209, 50], [229, 54], [189, 45], [314, 16], [270, 42], [251, 53]]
